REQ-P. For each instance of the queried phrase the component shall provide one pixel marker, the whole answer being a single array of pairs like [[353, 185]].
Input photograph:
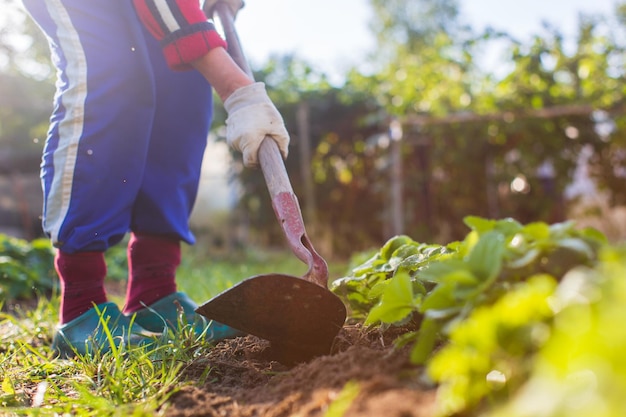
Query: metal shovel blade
[[300, 319]]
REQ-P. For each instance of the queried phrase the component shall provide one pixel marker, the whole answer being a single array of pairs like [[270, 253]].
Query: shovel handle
[[273, 167], [284, 201], [227, 20], [288, 213]]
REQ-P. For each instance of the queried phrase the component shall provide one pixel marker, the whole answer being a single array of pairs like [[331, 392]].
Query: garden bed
[[364, 376]]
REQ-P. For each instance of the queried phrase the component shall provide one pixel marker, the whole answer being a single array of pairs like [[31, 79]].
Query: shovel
[[299, 316]]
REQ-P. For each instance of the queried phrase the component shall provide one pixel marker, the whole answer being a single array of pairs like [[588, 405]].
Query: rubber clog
[[85, 335], [164, 314]]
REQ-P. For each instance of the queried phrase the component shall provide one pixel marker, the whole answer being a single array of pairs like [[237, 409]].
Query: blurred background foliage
[[418, 137]]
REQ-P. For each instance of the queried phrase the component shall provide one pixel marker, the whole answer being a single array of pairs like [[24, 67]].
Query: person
[[130, 123]]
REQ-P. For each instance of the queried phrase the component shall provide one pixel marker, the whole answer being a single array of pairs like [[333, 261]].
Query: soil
[[236, 379]]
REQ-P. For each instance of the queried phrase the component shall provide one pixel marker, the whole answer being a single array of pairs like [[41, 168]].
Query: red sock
[[82, 282], [152, 263]]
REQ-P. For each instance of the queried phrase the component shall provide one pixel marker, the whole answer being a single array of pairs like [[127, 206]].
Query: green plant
[[26, 268], [363, 288], [442, 284], [489, 355], [479, 311], [580, 370], [544, 349]]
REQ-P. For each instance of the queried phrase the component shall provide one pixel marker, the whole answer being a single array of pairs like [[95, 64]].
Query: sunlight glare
[[520, 185]]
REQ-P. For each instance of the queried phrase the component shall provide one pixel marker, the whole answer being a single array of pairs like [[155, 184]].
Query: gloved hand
[[251, 117], [234, 5]]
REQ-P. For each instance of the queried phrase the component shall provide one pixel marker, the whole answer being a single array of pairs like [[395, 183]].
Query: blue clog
[[164, 314], [85, 335]]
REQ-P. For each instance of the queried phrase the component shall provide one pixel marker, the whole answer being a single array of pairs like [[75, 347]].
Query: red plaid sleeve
[[182, 28]]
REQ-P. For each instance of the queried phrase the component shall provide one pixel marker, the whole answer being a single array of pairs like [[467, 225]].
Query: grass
[[205, 277], [125, 382]]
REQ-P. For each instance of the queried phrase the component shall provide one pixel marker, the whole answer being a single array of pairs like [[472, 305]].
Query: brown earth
[[236, 379]]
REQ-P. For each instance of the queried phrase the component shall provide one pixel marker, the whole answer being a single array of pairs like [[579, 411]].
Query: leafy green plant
[[489, 354], [482, 309], [437, 286], [26, 268], [364, 287], [580, 370], [544, 349]]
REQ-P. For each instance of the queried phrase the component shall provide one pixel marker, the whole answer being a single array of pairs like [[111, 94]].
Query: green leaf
[[525, 260], [593, 235], [485, 259], [413, 262], [437, 272], [479, 224], [506, 226], [378, 289], [7, 386], [577, 245], [428, 333], [442, 297], [340, 405], [396, 301], [406, 338], [561, 229], [393, 244], [537, 231]]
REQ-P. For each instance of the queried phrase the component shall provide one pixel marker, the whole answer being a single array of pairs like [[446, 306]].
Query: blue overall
[[127, 134]]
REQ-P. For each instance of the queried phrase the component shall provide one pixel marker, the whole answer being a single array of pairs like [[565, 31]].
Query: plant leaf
[[396, 301], [428, 334], [7, 386], [485, 259]]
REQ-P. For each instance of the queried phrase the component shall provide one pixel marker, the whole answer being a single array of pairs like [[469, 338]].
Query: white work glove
[[251, 117], [234, 5]]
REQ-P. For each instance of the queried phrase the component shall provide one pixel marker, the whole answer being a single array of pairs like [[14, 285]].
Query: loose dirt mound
[[237, 380]]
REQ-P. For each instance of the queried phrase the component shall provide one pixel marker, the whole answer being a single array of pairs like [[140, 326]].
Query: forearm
[[221, 72]]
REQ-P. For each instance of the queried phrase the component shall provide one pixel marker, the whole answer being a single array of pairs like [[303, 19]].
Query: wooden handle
[[230, 33], [273, 168]]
